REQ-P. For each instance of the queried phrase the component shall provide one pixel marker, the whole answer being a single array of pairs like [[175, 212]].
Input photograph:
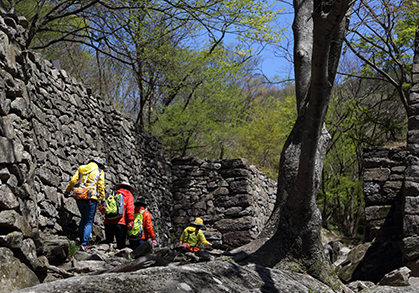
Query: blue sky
[[274, 62]]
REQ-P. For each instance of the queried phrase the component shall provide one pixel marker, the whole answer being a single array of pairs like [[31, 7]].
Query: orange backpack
[[186, 247]]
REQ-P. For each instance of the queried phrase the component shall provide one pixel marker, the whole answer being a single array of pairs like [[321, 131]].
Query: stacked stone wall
[[391, 177], [410, 244], [232, 197], [383, 191], [49, 125]]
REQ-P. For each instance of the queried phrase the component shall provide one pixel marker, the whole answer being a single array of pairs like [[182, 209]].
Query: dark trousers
[[116, 230], [133, 244]]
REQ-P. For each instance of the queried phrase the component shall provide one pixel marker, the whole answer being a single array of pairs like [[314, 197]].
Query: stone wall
[[233, 198], [49, 125], [383, 181], [410, 244], [391, 212], [394, 212]]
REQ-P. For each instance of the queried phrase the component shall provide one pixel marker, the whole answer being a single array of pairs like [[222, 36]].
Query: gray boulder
[[391, 289], [399, 277], [55, 249], [216, 276], [14, 274]]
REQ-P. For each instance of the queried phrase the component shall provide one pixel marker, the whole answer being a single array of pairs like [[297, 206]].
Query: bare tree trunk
[[291, 238]]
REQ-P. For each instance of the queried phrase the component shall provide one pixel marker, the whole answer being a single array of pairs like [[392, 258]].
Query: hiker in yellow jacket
[[91, 176], [193, 236]]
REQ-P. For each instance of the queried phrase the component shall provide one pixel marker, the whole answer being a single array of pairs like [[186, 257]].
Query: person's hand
[[102, 209], [130, 225], [154, 243]]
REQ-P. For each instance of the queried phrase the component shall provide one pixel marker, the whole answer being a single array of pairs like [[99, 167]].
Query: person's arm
[[182, 237], [130, 209], [202, 238], [72, 182], [101, 185], [148, 225]]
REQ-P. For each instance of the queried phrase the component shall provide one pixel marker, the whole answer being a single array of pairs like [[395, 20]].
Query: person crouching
[[193, 236]]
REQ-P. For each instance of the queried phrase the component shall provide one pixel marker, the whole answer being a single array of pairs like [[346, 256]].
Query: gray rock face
[[398, 278], [208, 277], [391, 289], [410, 247], [14, 274]]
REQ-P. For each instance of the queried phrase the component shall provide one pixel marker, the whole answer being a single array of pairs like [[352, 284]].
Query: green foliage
[[72, 249], [381, 35], [370, 117], [50, 21], [201, 125], [227, 259], [406, 23], [263, 134], [162, 46], [223, 121], [310, 290]]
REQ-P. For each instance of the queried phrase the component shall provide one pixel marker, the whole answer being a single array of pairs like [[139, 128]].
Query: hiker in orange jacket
[[148, 231], [118, 228]]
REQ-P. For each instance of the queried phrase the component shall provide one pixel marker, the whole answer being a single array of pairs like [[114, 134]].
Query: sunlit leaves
[[264, 132], [362, 113], [202, 122]]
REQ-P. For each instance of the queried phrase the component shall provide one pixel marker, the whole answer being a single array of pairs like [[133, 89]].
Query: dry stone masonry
[[233, 198], [49, 125], [410, 244], [383, 180], [391, 186]]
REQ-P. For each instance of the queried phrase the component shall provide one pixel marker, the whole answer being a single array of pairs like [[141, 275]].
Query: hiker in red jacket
[[148, 231], [118, 227]]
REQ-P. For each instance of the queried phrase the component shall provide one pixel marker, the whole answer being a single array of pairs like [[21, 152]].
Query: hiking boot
[[84, 247], [78, 240]]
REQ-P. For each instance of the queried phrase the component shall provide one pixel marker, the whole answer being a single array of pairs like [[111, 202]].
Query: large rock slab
[[54, 249], [370, 261], [391, 289], [216, 276], [14, 275]]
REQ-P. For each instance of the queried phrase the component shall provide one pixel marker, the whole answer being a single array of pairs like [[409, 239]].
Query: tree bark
[[291, 238]]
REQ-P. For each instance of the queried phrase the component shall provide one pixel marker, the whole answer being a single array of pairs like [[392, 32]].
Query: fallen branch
[[59, 271], [143, 262], [81, 270]]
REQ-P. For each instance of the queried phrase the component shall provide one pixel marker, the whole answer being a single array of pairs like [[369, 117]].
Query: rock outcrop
[[215, 276]]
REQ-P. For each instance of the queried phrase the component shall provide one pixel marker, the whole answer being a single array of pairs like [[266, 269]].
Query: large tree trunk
[[291, 238]]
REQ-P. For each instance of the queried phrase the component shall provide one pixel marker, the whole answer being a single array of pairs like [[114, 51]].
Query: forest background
[[191, 73]]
